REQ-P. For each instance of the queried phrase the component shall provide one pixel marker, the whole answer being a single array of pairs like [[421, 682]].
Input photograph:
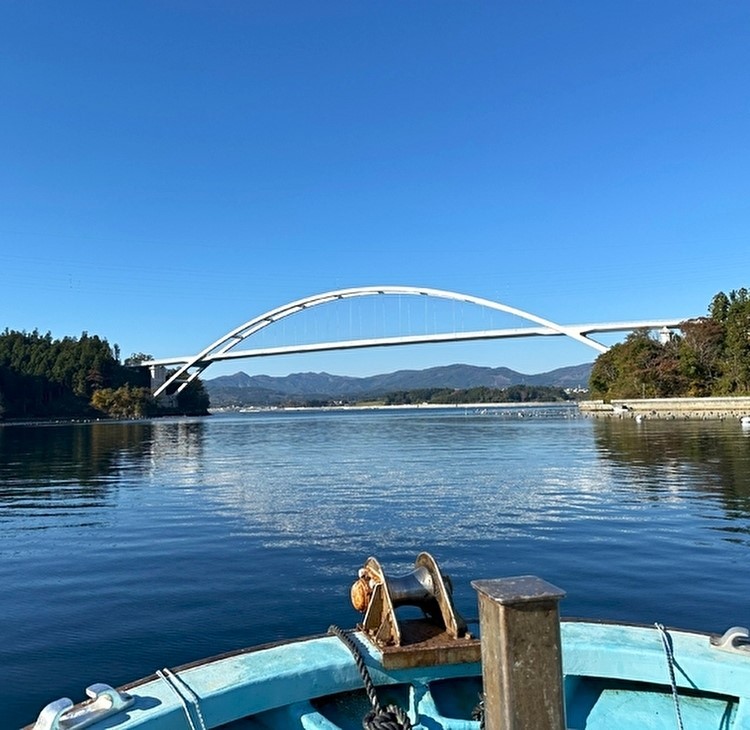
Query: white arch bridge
[[226, 347]]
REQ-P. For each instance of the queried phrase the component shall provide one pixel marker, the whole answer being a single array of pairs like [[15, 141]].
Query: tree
[[735, 379], [640, 367], [701, 349], [124, 402], [137, 358], [193, 400], [41, 376], [719, 307], [711, 357]]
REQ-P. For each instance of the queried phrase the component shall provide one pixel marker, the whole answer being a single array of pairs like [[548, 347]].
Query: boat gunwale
[[614, 646]]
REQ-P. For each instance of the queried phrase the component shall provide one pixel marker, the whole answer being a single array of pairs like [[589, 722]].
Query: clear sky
[[169, 170]]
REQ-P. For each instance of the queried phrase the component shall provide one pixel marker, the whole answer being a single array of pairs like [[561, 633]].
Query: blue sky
[[170, 170]]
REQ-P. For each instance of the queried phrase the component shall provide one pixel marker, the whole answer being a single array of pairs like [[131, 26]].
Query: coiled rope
[[477, 713], [378, 718], [666, 641]]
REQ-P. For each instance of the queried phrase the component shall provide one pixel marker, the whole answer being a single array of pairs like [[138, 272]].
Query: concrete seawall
[[668, 408]]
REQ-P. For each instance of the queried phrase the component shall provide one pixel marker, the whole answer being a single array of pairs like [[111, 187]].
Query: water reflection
[[701, 456], [251, 527], [382, 481], [181, 442], [65, 468]]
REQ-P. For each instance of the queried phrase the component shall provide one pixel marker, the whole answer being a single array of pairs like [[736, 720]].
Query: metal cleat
[[103, 701], [735, 639]]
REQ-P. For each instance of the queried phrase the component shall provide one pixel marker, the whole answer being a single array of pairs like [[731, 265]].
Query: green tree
[[719, 307], [124, 402], [193, 400], [711, 357], [41, 376], [136, 358], [735, 379], [701, 351], [639, 367]]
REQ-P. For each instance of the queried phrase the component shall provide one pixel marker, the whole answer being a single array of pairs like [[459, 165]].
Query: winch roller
[[377, 596]]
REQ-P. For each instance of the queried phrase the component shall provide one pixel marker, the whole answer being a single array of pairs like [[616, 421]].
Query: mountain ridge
[[241, 389]]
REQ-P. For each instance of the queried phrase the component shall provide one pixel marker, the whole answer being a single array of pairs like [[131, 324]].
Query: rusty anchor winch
[[440, 636]]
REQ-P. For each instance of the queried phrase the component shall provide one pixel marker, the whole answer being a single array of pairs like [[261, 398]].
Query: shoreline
[[59, 421], [711, 408], [410, 406]]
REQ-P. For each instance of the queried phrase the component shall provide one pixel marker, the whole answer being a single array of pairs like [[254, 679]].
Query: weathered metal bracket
[[62, 714]]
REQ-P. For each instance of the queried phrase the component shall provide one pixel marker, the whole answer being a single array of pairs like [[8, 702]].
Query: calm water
[[126, 547]]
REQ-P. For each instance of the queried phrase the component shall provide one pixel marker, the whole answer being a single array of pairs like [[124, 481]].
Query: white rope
[[667, 644], [181, 689]]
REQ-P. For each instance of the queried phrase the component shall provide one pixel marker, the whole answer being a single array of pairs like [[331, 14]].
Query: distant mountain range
[[242, 389]]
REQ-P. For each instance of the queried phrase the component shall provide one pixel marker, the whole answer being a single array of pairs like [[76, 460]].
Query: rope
[[478, 712], [378, 718], [666, 641], [172, 682]]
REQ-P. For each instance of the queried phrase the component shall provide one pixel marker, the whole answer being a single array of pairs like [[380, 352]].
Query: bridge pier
[[158, 376], [665, 335]]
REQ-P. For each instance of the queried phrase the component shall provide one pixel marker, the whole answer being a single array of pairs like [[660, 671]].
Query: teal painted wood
[[616, 678]]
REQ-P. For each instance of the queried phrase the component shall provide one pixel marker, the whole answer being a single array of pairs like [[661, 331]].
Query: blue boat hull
[[615, 677]]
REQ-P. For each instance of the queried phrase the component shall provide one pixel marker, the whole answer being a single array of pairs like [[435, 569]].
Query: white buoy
[[745, 421]]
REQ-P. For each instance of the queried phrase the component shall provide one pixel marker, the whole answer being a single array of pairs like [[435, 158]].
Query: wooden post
[[521, 653]]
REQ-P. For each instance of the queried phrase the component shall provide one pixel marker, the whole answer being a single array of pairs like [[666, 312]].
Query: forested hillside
[[241, 389], [42, 377], [711, 357], [451, 396]]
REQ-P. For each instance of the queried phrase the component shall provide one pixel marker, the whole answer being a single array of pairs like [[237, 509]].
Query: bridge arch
[[196, 364]]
